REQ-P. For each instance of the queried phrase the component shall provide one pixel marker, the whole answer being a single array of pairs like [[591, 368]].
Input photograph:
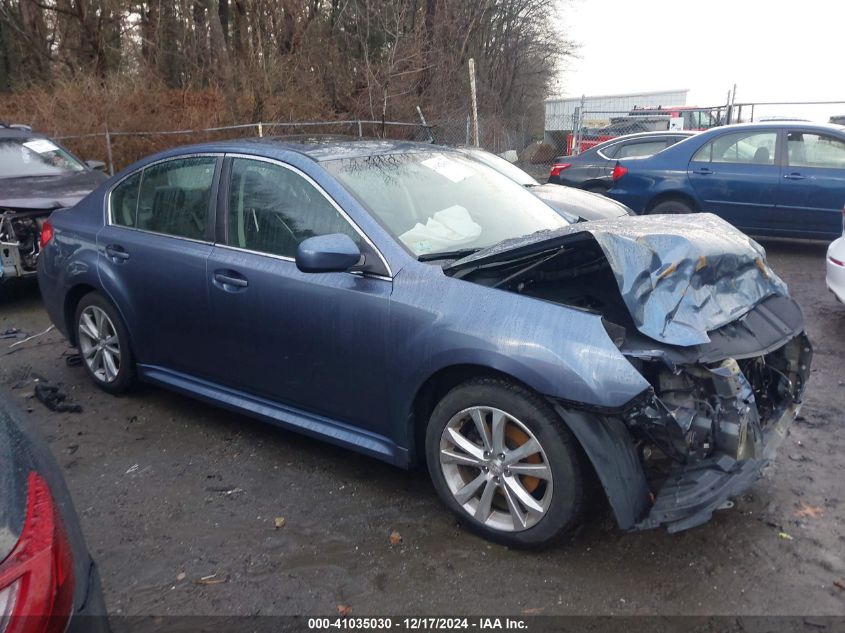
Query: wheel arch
[[432, 390], [72, 299], [672, 195]]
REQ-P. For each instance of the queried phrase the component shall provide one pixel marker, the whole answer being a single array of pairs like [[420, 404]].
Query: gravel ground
[[171, 491]]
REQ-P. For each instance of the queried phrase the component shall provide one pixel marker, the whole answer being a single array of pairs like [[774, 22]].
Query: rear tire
[[103, 343], [671, 207], [505, 463]]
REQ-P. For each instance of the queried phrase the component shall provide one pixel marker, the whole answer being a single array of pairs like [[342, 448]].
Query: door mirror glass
[[96, 165], [327, 254]]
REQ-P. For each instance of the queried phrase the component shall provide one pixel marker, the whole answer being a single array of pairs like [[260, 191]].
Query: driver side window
[[272, 209]]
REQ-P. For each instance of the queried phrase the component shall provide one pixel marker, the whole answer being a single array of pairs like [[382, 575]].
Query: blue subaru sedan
[[778, 179], [410, 303]]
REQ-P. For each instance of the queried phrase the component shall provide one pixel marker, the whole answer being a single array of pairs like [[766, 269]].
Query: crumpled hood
[[680, 276], [48, 192], [580, 203]]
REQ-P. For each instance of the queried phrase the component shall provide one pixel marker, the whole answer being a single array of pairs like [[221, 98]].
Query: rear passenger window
[[646, 148], [174, 197], [272, 209], [124, 201]]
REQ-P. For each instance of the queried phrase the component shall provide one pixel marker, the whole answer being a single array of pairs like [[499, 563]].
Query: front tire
[[504, 463], [103, 344]]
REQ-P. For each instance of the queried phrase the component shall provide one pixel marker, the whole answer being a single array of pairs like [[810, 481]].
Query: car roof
[[776, 125], [15, 132], [318, 149]]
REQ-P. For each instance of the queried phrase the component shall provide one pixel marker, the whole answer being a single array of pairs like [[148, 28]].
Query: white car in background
[[836, 265]]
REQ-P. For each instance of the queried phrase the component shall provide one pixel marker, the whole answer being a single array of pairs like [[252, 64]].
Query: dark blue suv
[[413, 304], [783, 179]]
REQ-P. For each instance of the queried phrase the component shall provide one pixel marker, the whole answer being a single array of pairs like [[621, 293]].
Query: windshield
[[503, 167], [441, 203], [23, 158]]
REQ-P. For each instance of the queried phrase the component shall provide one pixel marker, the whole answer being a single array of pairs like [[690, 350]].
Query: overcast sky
[[773, 50]]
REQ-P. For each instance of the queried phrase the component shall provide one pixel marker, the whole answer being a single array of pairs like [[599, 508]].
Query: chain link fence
[[520, 141], [120, 148]]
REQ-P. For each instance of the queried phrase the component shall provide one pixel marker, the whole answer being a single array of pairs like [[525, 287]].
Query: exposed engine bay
[[20, 233], [707, 324]]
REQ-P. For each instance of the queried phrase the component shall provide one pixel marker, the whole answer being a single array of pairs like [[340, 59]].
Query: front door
[[812, 191], [315, 341]]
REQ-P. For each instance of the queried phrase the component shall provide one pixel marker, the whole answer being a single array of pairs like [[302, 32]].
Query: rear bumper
[[835, 272], [91, 617]]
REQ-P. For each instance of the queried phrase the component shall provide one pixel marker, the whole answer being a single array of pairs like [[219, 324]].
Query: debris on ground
[[73, 360], [785, 536], [181, 576], [213, 579], [279, 522], [343, 610], [12, 332], [29, 338], [55, 399], [808, 511], [395, 538], [839, 584]]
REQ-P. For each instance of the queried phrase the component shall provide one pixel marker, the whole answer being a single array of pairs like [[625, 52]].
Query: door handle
[[230, 281], [116, 253], [794, 176], [703, 171]]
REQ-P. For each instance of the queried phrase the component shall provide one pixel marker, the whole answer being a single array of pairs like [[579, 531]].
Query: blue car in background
[[411, 303], [783, 179]]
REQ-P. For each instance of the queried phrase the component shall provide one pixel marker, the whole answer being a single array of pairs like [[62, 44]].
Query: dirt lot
[[170, 491]]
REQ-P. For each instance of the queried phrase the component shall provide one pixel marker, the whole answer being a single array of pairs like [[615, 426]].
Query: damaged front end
[[693, 306], [707, 429], [20, 235]]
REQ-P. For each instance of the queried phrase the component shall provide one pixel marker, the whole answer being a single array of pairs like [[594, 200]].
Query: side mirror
[[333, 253], [96, 165]]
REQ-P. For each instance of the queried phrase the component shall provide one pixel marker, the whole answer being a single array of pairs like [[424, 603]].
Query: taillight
[[618, 172], [36, 579], [46, 233], [559, 167]]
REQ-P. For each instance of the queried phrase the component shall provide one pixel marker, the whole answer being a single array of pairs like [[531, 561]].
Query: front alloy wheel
[[504, 462], [496, 469]]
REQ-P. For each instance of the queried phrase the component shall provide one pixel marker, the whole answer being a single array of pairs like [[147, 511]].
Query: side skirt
[[309, 424]]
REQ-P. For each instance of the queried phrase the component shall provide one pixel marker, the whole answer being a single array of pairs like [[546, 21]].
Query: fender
[[610, 448]]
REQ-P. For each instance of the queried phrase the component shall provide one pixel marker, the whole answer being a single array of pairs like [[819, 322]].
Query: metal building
[[562, 114]]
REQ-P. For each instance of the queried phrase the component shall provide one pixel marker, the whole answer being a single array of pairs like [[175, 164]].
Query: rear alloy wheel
[[103, 344], [504, 462], [671, 207]]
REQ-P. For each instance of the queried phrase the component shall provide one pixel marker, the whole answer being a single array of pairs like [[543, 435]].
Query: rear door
[[152, 259], [812, 191], [736, 176]]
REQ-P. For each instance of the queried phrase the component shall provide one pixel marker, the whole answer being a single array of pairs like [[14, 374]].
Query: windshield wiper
[[430, 257]]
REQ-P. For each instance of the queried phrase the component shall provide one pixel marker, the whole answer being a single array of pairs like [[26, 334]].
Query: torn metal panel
[[679, 277]]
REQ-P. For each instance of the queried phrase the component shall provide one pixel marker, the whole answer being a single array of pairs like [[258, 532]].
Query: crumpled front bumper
[[692, 493]]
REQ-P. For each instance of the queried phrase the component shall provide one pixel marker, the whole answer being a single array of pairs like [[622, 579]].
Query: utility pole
[[474, 113]]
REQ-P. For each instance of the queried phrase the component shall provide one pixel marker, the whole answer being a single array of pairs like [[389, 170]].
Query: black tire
[[673, 206], [125, 375], [559, 454]]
